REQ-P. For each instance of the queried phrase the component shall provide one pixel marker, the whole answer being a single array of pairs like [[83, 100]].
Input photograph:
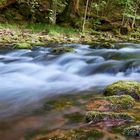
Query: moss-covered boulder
[[22, 46], [120, 102], [123, 88], [62, 50], [96, 116], [132, 131], [111, 103]]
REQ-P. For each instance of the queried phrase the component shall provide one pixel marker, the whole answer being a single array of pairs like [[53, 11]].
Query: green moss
[[106, 45], [124, 88], [22, 46], [62, 50], [132, 131], [70, 134], [74, 117], [39, 44], [57, 104], [120, 102], [96, 116]]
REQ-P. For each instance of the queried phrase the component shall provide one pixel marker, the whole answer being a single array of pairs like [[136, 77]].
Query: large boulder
[[124, 88]]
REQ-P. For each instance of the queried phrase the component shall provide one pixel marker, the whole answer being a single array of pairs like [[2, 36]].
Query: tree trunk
[[72, 8], [85, 16]]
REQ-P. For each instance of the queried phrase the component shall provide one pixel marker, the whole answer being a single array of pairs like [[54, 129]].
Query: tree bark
[[72, 8], [85, 16]]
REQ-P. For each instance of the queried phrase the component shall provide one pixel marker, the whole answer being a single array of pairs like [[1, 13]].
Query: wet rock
[[105, 45], [96, 116], [124, 88], [111, 103], [22, 46], [132, 131], [62, 50]]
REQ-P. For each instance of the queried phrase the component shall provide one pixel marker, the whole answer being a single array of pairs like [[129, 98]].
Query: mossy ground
[[42, 34], [73, 134]]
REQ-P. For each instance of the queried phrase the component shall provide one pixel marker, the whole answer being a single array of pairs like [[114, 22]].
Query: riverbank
[[43, 34]]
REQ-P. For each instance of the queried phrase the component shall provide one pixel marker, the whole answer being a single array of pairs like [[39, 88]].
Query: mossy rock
[[111, 103], [120, 102], [62, 50], [22, 46], [96, 116], [132, 131], [105, 45], [124, 88]]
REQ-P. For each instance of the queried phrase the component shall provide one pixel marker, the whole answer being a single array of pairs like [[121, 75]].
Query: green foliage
[[51, 29], [99, 6], [32, 4]]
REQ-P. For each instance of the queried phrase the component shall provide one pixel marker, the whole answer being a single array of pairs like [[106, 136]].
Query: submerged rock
[[72, 134], [132, 131], [111, 103], [105, 45], [124, 88], [96, 116], [22, 46], [62, 50]]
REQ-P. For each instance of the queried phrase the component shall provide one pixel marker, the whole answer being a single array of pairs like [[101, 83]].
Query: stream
[[29, 76]]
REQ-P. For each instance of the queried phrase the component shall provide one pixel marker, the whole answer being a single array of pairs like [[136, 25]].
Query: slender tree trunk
[[135, 14], [85, 16], [123, 18]]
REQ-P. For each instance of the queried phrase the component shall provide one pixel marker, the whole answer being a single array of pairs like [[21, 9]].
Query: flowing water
[[27, 76]]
